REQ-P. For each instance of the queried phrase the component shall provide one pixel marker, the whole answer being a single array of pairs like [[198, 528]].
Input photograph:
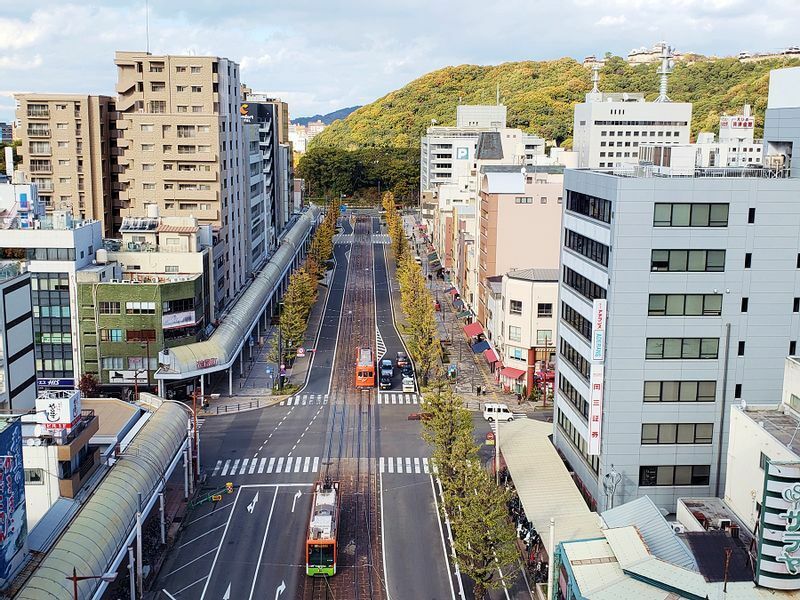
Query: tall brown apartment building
[[182, 149], [67, 150]]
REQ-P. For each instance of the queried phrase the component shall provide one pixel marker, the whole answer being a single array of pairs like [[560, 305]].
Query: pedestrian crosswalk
[[405, 465], [269, 465], [343, 238], [381, 238], [397, 398], [305, 399]]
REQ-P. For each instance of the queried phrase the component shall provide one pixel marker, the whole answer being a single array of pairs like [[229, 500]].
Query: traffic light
[[229, 487]]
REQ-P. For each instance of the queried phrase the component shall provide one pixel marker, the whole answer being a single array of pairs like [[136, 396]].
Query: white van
[[494, 411], [408, 384]]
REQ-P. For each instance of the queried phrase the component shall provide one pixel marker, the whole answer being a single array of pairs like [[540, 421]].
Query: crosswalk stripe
[[409, 399], [261, 465], [381, 463], [399, 465], [217, 468], [408, 465], [425, 465], [416, 465], [391, 464], [235, 466], [316, 464], [305, 464], [253, 466], [304, 400], [279, 466], [244, 466], [394, 399], [297, 464], [225, 468], [270, 465], [283, 403], [288, 465]]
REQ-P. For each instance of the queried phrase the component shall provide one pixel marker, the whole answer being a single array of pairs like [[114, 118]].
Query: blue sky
[[321, 55]]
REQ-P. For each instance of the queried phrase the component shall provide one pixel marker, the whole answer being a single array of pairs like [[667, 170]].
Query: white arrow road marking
[[227, 595], [252, 505], [280, 589], [296, 497]]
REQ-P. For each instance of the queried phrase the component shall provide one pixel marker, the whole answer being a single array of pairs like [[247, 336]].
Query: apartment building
[[679, 298], [17, 361], [182, 148], [447, 154], [19, 203], [68, 151], [6, 133], [520, 213]]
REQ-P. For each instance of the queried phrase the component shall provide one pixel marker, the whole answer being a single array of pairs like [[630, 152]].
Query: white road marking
[[261, 465], [425, 465], [279, 466], [193, 540], [305, 464], [235, 466], [244, 466], [219, 547], [263, 543], [288, 465], [316, 464], [271, 464], [391, 464], [253, 466], [381, 463], [408, 464], [399, 465], [444, 545], [416, 465], [297, 464], [217, 468]]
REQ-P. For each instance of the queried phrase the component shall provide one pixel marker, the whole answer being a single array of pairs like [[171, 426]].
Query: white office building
[[679, 298], [17, 364]]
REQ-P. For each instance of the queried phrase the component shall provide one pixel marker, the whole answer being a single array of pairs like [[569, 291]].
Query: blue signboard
[[343, 208], [13, 523], [48, 383]]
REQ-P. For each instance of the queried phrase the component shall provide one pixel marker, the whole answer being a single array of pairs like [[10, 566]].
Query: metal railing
[[646, 171]]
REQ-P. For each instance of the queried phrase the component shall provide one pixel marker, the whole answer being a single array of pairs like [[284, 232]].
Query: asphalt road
[[250, 544]]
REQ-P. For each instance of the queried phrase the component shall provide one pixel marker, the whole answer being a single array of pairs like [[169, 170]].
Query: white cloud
[[610, 21]]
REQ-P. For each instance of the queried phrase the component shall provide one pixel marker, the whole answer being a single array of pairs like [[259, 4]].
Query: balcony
[[37, 113], [68, 487], [79, 436], [38, 132], [42, 168]]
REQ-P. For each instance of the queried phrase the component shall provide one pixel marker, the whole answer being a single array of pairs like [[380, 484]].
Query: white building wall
[[40, 497]]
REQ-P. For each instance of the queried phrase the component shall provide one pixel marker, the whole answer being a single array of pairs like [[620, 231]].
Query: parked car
[[402, 359], [407, 371], [385, 382], [496, 411], [408, 384], [387, 367]]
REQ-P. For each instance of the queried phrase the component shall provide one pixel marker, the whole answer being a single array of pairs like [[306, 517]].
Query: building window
[[585, 287], [140, 335], [677, 433], [514, 333], [669, 305], [141, 363], [792, 348], [148, 167], [796, 305], [751, 215], [523, 200], [140, 308], [195, 69], [158, 106], [591, 249], [688, 260], [109, 308], [737, 391], [745, 304], [589, 206], [515, 307], [573, 395], [576, 320], [544, 310], [740, 351], [544, 337], [748, 260], [34, 476], [682, 348], [518, 354], [111, 335], [197, 89], [575, 358], [669, 475], [182, 108], [690, 215], [569, 431], [112, 362], [680, 391]]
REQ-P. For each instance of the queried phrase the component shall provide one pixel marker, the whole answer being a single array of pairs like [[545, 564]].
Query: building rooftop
[[6, 421], [535, 274], [652, 171], [490, 146], [11, 269], [778, 421]]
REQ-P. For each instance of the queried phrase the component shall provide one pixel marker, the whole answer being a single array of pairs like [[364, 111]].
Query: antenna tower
[[664, 71]]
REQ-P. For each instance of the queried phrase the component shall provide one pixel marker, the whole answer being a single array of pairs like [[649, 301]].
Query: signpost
[[301, 352]]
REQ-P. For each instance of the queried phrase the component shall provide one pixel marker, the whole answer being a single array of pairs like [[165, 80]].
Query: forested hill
[[540, 96], [327, 118]]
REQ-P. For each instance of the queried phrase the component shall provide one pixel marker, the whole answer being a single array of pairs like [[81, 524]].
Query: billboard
[[599, 312], [57, 409], [127, 376], [596, 373], [179, 319], [13, 522], [778, 565]]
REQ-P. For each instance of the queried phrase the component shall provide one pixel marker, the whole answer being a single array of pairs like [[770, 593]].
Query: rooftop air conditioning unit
[[723, 524], [678, 527]]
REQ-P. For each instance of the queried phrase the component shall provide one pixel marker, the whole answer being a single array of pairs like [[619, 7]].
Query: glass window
[[683, 475], [703, 433], [690, 348], [694, 305], [700, 215], [649, 433], [673, 347], [680, 215], [669, 391], [709, 348], [515, 307], [686, 433], [697, 261], [652, 391], [715, 260], [706, 391], [677, 260], [700, 474], [655, 347], [666, 433], [718, 215], [688, 391], [675, 304], [664, 475]]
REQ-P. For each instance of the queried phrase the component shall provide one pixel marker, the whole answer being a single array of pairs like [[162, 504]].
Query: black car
[[385, 382], [407, 371], [402, 359], [387, 367]]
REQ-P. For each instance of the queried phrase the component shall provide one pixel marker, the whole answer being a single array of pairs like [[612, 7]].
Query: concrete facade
[[17, 355], [68, 150]]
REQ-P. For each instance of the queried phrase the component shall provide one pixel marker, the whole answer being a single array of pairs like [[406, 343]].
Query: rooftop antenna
[[595, 78], [147, 23], [664, 70]]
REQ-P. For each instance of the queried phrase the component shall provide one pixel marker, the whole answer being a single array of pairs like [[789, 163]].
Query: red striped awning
[[512, 373], [454, 292], [491, 356], [473, 329]]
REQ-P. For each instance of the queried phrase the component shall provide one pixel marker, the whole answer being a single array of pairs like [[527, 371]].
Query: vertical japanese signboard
[[598, 330], [778, 565], [595, 407], [13, 524]]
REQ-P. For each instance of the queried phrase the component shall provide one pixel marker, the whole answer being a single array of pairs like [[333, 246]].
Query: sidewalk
[[255, 389]]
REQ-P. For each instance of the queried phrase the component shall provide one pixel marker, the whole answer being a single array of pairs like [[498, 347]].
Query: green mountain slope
[[540, 96]]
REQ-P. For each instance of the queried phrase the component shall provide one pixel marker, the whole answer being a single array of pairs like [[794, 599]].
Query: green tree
[[294, 315], [89, 386]]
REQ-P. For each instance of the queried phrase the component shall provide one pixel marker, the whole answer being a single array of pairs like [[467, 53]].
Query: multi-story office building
[[447, 154], [68, 148], [6, 133], [182, 148], [608, 128], [679, 298], [259, 243], [55, 252], [17, 362]]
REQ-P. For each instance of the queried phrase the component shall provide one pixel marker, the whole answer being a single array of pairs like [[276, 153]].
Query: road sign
[[343, 208], [301, 352]]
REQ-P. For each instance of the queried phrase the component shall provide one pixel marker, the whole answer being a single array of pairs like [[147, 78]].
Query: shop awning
[[491, 356], [512, 373], [464, 314], [559, 499], [473, 329], [458, 304], [481, 346], [453, 292], [433, 256], [449, 289]]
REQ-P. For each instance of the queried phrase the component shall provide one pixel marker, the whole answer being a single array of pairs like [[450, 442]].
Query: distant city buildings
[[6, 133], [301, 135]]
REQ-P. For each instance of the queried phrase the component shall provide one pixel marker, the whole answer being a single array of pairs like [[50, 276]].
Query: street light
[[107, 577]]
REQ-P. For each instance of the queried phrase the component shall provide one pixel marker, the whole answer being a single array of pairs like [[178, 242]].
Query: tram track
[[349, 447]]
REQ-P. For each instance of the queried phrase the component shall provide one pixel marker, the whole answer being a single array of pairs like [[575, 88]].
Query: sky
[[321, 55]]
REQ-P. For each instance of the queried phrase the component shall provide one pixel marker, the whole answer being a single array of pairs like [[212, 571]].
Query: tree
[[483, 537], [297, 302], [447, 424], [89, 386]]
